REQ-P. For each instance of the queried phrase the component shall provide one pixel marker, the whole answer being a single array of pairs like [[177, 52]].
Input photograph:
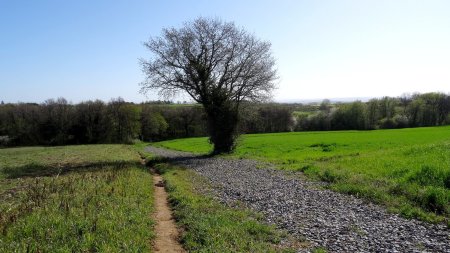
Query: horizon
[[286, 101], [85, 51]]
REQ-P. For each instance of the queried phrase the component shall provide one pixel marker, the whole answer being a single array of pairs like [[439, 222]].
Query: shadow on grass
[[39, 170]]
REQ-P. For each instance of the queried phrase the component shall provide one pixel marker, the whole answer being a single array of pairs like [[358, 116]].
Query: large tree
[[218, 64]]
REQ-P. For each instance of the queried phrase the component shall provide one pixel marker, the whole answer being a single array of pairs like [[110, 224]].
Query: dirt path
[[166, 231]]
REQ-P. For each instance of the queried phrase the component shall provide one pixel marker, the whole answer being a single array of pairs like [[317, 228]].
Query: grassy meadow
[[86, 198], [408, 170]]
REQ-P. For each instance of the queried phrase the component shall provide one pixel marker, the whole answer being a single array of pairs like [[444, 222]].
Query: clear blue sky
[[84, 50]]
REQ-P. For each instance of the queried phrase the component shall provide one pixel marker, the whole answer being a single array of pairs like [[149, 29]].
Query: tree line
[[58, 122], [417, 110]]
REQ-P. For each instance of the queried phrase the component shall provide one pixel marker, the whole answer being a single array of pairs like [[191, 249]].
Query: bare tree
[[218, 64]]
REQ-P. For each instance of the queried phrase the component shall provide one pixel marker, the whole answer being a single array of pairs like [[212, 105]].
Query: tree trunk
[[222, 125]]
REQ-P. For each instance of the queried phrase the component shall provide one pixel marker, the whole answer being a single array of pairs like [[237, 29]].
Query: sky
[[84, 50]]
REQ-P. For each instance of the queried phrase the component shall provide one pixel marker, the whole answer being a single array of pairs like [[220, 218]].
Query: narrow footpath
[[166, 231]]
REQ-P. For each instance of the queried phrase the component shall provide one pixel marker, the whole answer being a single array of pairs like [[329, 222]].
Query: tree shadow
[[39, 170], [175, 160]]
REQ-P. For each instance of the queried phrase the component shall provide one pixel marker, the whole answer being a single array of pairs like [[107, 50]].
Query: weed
[[330, 176], [319, 250], [305, 168]]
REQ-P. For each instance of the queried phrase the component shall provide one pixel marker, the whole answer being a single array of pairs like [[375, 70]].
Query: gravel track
[[337, 222]]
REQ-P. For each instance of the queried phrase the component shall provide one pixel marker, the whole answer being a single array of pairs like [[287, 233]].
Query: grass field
[[408, 170], [89, 198]]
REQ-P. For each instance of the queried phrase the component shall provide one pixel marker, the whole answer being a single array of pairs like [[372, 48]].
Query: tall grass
[[96, 203]]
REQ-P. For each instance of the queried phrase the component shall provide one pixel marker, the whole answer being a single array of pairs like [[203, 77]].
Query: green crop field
[[88, 198], [408, 170]]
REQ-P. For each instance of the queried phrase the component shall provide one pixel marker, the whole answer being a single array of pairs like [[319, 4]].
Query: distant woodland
[[58, 122]]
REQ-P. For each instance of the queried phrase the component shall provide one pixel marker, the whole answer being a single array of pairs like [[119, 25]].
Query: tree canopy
[[218, 64]]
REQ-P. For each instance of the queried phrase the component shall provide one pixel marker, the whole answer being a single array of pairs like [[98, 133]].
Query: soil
[[167, 234]]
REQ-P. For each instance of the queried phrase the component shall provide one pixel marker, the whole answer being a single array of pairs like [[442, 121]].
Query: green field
[[89, 198], [408, 170]]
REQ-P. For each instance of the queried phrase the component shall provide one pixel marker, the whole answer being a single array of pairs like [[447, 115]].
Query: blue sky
[[85, 50]]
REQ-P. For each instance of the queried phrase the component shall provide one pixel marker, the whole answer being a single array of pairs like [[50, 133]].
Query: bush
[[387, 123], [401, 121]]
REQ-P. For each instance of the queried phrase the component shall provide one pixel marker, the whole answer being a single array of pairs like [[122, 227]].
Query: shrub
[[387, 123], [401, 121], [4, 140]]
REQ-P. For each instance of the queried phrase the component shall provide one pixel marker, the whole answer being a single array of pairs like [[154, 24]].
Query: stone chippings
[[337, 222]]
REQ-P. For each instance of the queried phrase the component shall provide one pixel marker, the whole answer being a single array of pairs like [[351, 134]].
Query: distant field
[[88, 198], [408, 170]]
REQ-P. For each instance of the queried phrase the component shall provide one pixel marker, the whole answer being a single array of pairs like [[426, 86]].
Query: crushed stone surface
[[323, 218]]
